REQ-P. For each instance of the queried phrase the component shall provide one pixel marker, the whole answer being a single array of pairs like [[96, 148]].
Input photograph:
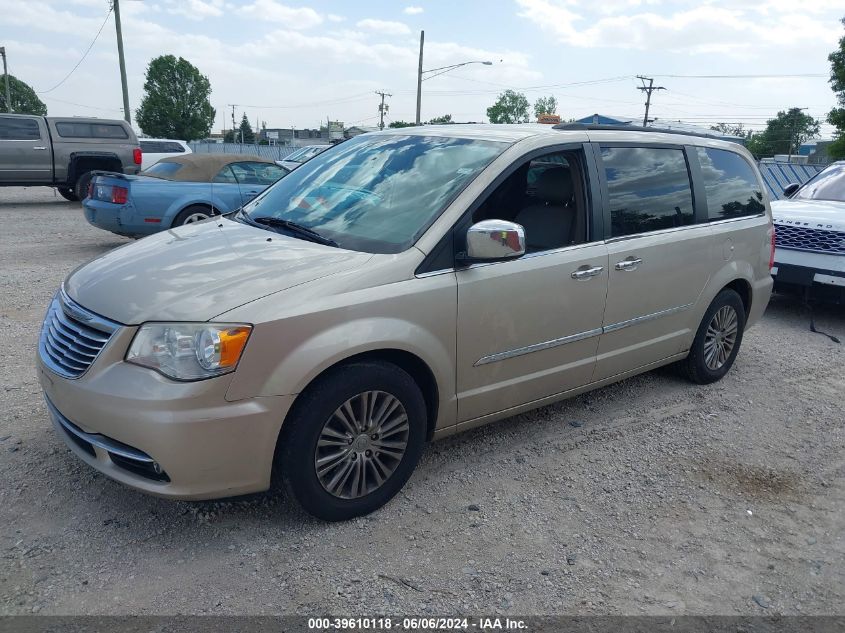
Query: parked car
[[303, 154], [176, 191], [404, 286], [154, 149], [810, 236], [62, 152]]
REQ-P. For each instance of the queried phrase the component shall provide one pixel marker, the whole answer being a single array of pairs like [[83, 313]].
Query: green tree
[[733, 129], [440, 120], [545, 105], [784, 134], [397, 124], [510, 107], [176, 103], [24, 100], [836, 117], [245, 133]]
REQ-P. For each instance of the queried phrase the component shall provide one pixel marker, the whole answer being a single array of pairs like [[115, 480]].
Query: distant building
[[815, 151], [356, 130], [292, 137]]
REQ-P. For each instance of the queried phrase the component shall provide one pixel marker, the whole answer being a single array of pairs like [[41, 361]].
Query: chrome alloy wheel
[[361, 444], [196, 217], [720, 338]]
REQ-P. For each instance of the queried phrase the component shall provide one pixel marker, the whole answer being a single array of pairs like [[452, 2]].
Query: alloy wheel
[[361, 444], [720, 338]]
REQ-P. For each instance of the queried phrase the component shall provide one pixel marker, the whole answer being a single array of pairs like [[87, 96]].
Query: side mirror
[[491, 240], [791, 189]]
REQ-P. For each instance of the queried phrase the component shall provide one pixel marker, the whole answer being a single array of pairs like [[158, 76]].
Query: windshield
[[829, 184], [376, 194]]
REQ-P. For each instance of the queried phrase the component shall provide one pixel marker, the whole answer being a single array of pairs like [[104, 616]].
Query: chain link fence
[[273, 152]]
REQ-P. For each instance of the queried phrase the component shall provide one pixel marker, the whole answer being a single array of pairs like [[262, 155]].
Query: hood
[[816, 214], [198, 271]]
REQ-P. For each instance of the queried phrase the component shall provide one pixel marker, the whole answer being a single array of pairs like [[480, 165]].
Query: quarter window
[[18, 129], [649, 189], [82, 129], [730, 183]]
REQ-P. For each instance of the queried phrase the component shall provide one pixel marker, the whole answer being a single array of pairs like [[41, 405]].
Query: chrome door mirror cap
[[495, 239]]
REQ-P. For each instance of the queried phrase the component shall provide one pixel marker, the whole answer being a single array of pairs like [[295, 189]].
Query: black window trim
[[453, 239], [696, 187]]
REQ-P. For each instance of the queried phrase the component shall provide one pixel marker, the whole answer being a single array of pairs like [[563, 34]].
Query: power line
[[84, 55], [773, 76]]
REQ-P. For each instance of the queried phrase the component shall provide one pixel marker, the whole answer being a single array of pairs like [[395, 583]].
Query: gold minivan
[[400, 287]]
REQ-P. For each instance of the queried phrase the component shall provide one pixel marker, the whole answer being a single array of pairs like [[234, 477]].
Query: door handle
[[39, 147], [629, 264], [586, 272]]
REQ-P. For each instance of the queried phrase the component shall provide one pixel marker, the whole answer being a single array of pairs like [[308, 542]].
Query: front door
[[529, 328], [659, 258]]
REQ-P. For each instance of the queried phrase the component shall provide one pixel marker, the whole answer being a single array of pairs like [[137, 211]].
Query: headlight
[[189, 351]]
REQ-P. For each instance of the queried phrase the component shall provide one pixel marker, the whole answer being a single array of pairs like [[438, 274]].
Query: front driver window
[[546, 196]]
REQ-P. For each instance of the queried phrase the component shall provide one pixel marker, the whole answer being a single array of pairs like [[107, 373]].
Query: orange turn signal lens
[[232, 343]]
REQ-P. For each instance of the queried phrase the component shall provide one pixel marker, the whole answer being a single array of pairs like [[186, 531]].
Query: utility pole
[[126, 114], [383, 108], [648, 90], [6, 75], [419, 77], [234, 128]]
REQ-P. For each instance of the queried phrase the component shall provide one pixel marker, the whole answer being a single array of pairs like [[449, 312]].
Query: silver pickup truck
[[62, 152]]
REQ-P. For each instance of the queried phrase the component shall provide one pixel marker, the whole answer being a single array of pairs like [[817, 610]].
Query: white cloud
[[385, 27], [197, 9], [291, 17], [738, 27], [333, 17], [412, 10]]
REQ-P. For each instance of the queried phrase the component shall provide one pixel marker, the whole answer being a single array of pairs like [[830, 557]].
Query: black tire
[[186, 215], [697, 366], [80, 189], [68, 194], [297, 451]]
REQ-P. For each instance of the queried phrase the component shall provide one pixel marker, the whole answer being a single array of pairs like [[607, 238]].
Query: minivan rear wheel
[[717, 341], [352, 440]]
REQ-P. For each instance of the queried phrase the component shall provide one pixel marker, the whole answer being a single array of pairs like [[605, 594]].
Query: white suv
[[810, 236], [154, 149]]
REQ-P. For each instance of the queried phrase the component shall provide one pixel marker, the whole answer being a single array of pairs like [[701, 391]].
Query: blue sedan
[[176, 191]]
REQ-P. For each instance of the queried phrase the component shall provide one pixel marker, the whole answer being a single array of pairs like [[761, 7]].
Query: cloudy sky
[[291, 63]]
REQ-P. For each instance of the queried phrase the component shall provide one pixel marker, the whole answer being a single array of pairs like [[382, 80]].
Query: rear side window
[[649, 189], [15, 129], [730, 183], [163, 170], [80, 129], [161, 147]]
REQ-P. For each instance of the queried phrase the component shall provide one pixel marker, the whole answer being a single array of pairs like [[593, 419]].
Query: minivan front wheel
[[353, 440], [717, 341]]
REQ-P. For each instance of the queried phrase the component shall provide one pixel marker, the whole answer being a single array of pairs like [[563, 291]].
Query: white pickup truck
[[810, 236]]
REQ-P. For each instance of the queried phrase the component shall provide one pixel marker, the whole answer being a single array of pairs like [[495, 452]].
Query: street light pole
[[6, 75], [419, 77]]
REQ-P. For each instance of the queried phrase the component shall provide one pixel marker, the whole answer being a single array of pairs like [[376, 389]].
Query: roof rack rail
[[632, 128]]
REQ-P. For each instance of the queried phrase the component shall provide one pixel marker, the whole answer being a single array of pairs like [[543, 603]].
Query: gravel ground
[[651, 496]]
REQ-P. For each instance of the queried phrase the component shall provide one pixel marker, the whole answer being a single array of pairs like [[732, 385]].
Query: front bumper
[[171, 439], [819, 274]]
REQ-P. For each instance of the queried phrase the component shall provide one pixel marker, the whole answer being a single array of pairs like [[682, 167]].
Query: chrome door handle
[[628, 264], [39, 147], [586, 272]]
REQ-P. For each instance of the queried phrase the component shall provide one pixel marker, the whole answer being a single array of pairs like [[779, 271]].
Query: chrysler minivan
[[398, 288]]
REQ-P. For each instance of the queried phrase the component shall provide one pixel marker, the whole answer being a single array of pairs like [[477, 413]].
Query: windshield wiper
[[293, 227]]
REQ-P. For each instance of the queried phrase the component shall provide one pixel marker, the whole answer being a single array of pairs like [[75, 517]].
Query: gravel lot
[[651, 496]]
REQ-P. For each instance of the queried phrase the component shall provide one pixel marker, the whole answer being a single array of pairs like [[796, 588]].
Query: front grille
[[803, 238], [72, 337]]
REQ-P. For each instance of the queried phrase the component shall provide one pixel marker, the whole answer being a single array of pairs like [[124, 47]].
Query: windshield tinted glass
[[828, 184], [376, 193]]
